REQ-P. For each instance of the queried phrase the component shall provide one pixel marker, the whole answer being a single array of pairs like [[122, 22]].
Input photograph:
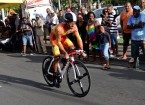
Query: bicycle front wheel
[[78, 79]]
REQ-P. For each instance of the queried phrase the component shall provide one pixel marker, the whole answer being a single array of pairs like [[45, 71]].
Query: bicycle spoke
[[74, 81], [80, 77], [81, 86]]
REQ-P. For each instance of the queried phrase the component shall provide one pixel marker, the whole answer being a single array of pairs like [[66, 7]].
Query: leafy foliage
[[117, 2], [15, 8]]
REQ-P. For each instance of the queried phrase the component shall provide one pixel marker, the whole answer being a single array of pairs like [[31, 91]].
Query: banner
[[37, 2]]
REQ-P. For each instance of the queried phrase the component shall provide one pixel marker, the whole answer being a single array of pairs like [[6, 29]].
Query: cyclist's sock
[[55, 81], [54, 75]]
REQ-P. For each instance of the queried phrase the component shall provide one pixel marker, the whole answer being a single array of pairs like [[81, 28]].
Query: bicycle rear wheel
[[47, 70], [78, 79]]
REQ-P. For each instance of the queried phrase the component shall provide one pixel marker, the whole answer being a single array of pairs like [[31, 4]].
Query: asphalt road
[[22, 83]]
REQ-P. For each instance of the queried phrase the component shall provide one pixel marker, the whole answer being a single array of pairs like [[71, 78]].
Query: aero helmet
[[70, 17]]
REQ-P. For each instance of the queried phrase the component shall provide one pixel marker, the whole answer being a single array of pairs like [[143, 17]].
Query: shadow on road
[[123, 73], [9, 79], [32, 58], [127, 73]]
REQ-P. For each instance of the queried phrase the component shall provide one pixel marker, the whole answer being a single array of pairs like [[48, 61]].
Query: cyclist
[[59, 40]]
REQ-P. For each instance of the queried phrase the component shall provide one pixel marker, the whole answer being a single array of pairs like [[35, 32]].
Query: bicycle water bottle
[[137, 64]]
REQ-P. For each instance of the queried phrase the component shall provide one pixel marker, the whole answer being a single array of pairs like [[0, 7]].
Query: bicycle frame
[[62, 72], [71, 61]]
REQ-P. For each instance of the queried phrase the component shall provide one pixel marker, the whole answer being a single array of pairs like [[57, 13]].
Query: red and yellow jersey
[[58, 37], [60, 32]]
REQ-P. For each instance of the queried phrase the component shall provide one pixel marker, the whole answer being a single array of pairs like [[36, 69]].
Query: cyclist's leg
[[68, 44], [56, 54]]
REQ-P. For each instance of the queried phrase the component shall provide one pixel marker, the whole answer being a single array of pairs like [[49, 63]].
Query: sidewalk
[[116, 62]]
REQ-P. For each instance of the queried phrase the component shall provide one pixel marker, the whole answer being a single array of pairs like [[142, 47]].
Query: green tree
[[116, 2], [15, 8], [63, 3]]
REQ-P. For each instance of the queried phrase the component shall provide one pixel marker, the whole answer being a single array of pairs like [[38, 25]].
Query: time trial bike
[[77, 75]]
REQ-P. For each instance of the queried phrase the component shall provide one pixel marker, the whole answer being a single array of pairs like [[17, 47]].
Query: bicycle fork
[[75, 68]]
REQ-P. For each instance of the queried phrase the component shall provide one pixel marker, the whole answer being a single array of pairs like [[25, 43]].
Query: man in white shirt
[[47, 22], [54, 20]]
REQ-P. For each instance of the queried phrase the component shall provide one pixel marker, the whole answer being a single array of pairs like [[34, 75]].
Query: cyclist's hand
[[84, 55], [66, 55]]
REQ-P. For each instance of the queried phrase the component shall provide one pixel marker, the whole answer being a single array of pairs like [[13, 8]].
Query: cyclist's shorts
[[66, 42]]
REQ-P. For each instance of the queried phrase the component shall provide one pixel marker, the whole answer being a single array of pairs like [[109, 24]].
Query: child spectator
[[105, 42]]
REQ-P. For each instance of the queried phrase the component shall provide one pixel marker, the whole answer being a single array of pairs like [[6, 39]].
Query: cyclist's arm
[[58, 38], [79, 40]]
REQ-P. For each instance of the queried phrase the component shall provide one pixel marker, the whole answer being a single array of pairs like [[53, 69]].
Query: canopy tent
[[35, 3], [8, 3]]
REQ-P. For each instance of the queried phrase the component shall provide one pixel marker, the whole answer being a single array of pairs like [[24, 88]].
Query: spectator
[[91, 31], [39, 32], [26, 35], [47, 23], [126, 32], [79, 11], [104, 16], [142, 6], [81, 24], [17, 22], [2, 27], [60, 16], [84, 14], [12, 23], [7, 24], [68, 9], [105, 43], [54, 20], [7, 30], [112, 26], [136, 24]]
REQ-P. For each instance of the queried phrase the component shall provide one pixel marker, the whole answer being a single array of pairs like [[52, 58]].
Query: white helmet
[[70, 16]]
